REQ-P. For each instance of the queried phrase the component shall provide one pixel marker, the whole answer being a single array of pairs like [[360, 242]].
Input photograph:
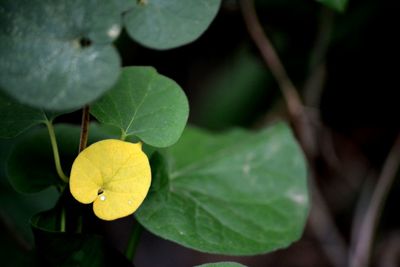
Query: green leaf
[[71, 249], [338, 5], [16, 118], [145, 104], [19, 208], [124, 5], [31, 164], [57, 55], [231, 98], [164, 24], [222, 264], [238, 193], [15, 211]]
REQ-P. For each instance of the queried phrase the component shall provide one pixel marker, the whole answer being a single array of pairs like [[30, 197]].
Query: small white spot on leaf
[[246, 169], [297, 197], [114, 31]]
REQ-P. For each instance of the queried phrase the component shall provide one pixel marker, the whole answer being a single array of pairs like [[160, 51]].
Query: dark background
[[228, 85]]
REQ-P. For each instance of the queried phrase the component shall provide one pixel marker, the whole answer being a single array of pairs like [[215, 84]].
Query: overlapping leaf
[[31, 168], [16, 118], [238, 193], [56, 54], [145, 104], [164, 24]]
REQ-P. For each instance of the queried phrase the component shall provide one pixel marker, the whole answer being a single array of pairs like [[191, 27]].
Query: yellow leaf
[[114, 175]]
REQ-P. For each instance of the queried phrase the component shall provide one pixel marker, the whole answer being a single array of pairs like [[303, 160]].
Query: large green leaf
[[222, 264], [15, 211], [238, 193], [71, 249], [339, 5], [164, 24], [56, 54], [31, 164], [18, 208], [145, 104], [124, 5], [16, 118]]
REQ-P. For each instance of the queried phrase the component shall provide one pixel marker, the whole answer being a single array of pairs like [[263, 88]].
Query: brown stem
[[325, 230], [270, 57], [320, 219], [84, 128], [361, 247], [289, 92]]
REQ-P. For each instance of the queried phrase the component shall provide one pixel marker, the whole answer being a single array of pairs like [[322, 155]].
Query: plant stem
[[133, 241], [62, 220], [84, 128], [362, 246], [82, 145], [123, 135], [295, 108], [56, 155], [305, 134]]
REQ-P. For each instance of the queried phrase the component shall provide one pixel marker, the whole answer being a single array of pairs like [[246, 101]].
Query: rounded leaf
[[164, 24], [57, 55], [114, 175], [145, 104], [237, 193]]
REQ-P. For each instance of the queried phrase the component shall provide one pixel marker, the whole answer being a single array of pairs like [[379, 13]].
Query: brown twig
[[320, 219], [325, 230], [84, 128], [390, 250], [361, 247], [289, 92]]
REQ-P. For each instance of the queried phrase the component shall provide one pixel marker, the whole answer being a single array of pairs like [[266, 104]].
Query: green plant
[[235, 193]]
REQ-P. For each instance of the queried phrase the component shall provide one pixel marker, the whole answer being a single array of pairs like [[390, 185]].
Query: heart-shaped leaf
[[145, 104], [56, 54], [164, 24], [237, 193], [114, 175]]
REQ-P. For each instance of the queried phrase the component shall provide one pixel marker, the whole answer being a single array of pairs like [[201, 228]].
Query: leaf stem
[[123, 135], [56, 155], [133, 241], [84, 128], [62, 220]]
